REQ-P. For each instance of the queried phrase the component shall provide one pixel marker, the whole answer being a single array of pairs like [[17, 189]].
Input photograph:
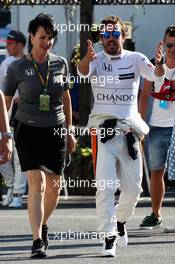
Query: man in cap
[[11, 171], [16, 42]]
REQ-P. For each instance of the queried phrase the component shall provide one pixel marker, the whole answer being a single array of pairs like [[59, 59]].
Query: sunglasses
[[115, 34], [170, 45]]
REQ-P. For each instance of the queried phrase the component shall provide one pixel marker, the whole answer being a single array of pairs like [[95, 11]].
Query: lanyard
[[44, 82]]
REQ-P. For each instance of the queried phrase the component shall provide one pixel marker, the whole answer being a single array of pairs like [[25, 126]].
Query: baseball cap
[[166, 93], [16, 36]]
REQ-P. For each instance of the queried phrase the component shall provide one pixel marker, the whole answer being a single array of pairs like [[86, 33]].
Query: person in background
[[74, 82], [119, 162], [161, 124], [14, 179], [171, 162], [44, 109]]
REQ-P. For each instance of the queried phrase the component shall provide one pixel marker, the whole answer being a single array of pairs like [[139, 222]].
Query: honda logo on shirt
[[29, 72], [106, 67]]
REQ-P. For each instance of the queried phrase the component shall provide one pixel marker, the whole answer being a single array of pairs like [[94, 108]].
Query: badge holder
[[44, 99], [44, 102], [163, 104]]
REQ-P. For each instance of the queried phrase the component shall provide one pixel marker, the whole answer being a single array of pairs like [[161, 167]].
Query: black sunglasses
[[170, 45]]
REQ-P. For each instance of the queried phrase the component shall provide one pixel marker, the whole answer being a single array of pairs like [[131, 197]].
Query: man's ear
[[31, 37], [123, 39]]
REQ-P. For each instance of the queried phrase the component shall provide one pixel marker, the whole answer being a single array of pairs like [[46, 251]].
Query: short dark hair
[[170, 31], [42, 20]]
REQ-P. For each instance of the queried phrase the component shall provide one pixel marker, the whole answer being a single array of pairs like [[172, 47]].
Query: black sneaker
[[38, 250], [122, 238], [151, 222], [109, 246], [45, 236]]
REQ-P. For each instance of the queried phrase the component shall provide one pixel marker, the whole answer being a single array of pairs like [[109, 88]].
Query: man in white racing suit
[[114, 74]]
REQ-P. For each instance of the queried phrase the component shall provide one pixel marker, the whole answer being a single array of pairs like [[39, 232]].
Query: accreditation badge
[[164, 104], [44, 103]]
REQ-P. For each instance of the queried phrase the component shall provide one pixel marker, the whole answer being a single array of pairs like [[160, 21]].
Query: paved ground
[[70, 246]]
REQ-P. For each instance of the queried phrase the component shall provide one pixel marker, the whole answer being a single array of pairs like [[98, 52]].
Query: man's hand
[[5, 150], [83, 66], [159, 70], [71, 143], [159, 53], [90, 55]]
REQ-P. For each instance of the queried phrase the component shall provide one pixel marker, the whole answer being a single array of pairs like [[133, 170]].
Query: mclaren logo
[[29, 72]]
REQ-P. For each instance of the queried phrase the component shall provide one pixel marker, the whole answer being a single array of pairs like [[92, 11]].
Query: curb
[[89, 202]]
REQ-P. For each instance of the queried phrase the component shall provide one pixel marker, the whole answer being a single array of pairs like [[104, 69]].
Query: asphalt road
[[68, 245]]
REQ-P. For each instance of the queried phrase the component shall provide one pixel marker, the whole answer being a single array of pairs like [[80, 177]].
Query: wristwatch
[[6, 134]]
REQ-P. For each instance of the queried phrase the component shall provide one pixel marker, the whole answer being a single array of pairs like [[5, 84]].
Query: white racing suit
[[115, 85], [116, 169]]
